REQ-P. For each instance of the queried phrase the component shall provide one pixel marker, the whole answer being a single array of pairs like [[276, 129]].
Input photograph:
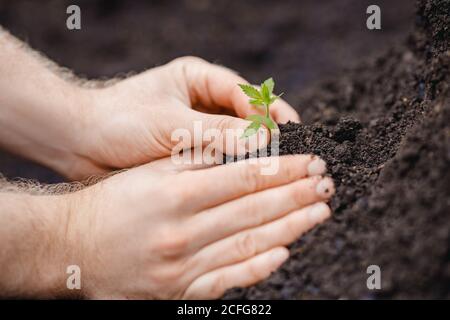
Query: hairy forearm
[[41, 114], [33, 251]]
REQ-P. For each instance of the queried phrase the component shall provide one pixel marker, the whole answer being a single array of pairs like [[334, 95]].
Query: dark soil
[[383, 129], [382, 125]]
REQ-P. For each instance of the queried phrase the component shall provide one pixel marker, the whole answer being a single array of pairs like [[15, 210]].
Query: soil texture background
[[383, 128]]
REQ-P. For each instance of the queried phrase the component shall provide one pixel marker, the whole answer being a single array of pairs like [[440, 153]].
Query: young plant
[[261, 98]]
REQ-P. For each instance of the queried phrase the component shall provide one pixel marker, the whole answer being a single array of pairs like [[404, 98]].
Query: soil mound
[[383, 129]]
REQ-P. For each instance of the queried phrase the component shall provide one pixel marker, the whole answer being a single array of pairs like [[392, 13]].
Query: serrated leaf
[[251, 129], [251, 91], [275, 97], [262, 97], [265, 93], [257, 118], [270, 84], [270, 124], [256, 102]]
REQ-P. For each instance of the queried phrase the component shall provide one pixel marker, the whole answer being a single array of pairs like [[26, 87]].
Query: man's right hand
[[161, 233]]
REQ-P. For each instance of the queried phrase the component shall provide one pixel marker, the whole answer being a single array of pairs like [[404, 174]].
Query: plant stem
[[267, 111]]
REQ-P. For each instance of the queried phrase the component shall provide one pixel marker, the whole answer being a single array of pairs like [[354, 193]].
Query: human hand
[[85, 130], [158, 232], [131, 122]]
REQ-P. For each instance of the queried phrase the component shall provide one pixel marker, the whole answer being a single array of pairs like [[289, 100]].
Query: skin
[[158, 230]]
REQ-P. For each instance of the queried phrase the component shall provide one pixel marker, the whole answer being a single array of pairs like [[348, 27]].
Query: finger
[[214, 284], [248, 243], [222, 134], [259, 208], [194, 161], [213, 86], [234, 180], [282, 112], [228, 138], [216, 87]]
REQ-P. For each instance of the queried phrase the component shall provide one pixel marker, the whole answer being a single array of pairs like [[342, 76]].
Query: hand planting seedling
[[263, 97]]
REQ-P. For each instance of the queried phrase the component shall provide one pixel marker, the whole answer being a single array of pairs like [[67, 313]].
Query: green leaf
[[251, 91], [275, 97], [269, 123], [270, 84], [251, 129], [256, 102], [263, 97], [257, 118], [265, 93]]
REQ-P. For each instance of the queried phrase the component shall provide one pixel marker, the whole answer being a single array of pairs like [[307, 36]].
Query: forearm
[[34, 246], [41, 114]]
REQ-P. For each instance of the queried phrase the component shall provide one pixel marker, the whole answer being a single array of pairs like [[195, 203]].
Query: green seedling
[[261, 98]]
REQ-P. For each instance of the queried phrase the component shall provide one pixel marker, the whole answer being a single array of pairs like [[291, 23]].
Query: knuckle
[[183, 196], [182, 193], [254, 211], [172, 242], [292, 231], [295, 226], [219, 286], [290, 171], [166, 280], [251, 174], [184, 66], [246, 246], [303, 191], [297, 194], [257, 272], [188, 60], [293, 167], [171, 274]]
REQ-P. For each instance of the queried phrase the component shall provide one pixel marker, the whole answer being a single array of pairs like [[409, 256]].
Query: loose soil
[[383, 129], [382, 125]]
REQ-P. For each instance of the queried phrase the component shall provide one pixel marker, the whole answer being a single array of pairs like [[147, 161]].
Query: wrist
[[46, 128], [72, 131], [39, 246], [42, 116], [60, 146]]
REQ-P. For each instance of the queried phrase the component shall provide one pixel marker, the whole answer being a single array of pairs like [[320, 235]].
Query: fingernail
[[319, 212], [316, 167], [279, 256], [325, 188]]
